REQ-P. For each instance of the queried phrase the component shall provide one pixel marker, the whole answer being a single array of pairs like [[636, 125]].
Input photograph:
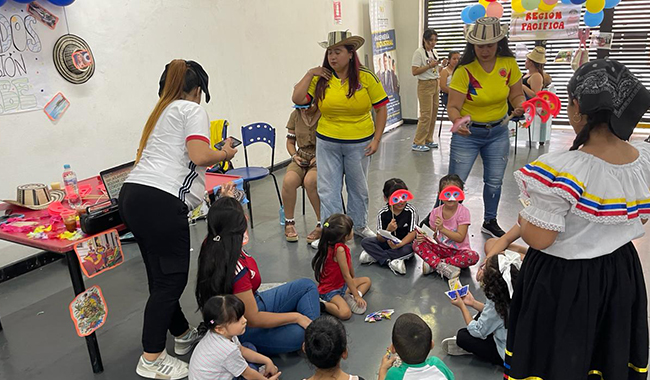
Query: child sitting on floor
[[412, 341], [340, 292], [400, 220], [450, 223], [326, 343], [219, 355], [485, 336], [500, 245]]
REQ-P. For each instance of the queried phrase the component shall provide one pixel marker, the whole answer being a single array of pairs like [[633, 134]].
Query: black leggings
[[485, 349], [159, 224]]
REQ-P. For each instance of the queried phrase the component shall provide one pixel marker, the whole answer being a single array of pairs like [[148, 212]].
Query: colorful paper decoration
[[99, 253], [379, 315], [452, 193], [552, 100], [88, 311], [400, 196], [536, 107], [56, 107]]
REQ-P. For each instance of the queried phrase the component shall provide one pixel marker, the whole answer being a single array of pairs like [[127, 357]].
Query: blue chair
[[252, 134]]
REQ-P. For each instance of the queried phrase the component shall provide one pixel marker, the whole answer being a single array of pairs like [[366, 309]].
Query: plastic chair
[[218, 132], [252, 134], [518, 121]]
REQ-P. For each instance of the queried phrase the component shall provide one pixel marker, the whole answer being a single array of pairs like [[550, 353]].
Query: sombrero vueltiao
[[35, 196], [62, 56], [486, 30], [342, 38]]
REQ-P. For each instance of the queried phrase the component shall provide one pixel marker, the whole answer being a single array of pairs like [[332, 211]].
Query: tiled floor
[[39, 341]]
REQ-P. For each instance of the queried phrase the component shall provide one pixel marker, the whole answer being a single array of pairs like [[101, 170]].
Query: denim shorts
[[327, 297]]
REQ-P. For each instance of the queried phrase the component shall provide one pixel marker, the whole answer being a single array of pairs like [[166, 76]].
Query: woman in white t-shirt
[[167, 181], [424, 66]]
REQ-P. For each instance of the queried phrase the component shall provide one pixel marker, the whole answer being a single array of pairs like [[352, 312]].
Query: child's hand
[[270, 369], [360, 302], [392, 226], [391, 244], [469, 299], [276, 376], [419, 237], [228, 189], [438, 223], [458, 302], [387, 361]]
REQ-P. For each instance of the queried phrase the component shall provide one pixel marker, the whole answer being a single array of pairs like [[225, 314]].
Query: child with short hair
[[326, 343], [219, 355], [450, 223], [485, 336], [400, 220], [412, 341], [340, 292]]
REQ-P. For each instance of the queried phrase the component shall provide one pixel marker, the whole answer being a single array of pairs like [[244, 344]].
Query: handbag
[[100, 217]]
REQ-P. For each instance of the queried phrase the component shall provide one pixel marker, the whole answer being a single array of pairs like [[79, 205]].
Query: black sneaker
[[491, 227]]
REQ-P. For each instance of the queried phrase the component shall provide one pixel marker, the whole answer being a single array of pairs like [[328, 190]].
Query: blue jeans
[[334, 159], [299, 296], [327, 297], [494, 146]]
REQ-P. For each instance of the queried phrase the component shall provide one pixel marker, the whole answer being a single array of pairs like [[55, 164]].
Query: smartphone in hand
[[235, 143]]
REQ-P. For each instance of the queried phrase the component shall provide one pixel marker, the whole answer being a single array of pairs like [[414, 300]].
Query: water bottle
[[71, 189], [282, 219]]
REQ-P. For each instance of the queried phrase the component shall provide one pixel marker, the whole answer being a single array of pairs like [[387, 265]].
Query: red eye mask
[[400, 196], [452, 193]]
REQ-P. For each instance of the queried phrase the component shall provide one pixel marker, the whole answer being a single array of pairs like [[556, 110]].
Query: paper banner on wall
[[601, 40], [26, 67], [384, 51], [88, 311], [562, 23], [99, 253]]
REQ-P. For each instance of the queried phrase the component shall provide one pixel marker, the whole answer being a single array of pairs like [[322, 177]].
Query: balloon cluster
[[489, 8], [61, 3], [593, 17]]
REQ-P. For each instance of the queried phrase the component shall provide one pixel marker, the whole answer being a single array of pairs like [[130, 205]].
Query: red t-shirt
[[247, 276], [331, 277]]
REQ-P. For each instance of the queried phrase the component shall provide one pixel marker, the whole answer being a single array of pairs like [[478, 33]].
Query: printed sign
[[562, 23]]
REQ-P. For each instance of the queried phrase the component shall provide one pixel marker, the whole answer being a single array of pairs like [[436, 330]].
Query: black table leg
[[78, 287]]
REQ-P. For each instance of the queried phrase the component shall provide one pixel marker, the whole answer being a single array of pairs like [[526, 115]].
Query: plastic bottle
[[282, 218], [71, 189]]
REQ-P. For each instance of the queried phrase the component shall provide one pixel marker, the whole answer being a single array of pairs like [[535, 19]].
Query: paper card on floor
[[388, 236], [461, 292], [99, 253]]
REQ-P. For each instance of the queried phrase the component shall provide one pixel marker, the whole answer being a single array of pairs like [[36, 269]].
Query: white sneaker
[[451, 348], [426, 268], [182, 346], [365, 258], [353, 304], [165, 367], [314, 244], [397, 266], [364, 232], [447, 270]]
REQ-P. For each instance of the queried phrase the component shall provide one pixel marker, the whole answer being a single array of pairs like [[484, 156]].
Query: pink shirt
[[461, 217]]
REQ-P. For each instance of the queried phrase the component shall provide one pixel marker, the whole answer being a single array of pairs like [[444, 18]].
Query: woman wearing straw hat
[[346, 137], [167, 181], [536, 79], [486, 79]]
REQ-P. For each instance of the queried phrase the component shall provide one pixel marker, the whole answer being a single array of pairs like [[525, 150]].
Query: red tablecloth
[[213, 180]]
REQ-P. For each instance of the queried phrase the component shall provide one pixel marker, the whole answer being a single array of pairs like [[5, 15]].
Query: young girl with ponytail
[[579, 309], [277, 318], [167, 181]]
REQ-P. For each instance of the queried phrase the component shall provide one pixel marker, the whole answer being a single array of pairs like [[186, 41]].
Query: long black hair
[[220, 250], [495, 288], [426, 36], [335, 229], [222, 310], [469, 54], [597, 120], [392, 185], [325, 342], [353, 75]]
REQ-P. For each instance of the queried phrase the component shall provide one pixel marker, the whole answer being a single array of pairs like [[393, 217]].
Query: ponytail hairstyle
[[596, 120], [220, 250], [335, 230], [180, 78], [392, 185], [426, 36], [353, 75], [325, 342], [222, 311], [495, 288]]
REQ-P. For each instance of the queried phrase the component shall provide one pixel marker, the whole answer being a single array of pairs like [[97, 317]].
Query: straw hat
[[64, 47], [538, 55], [35, 196], [486, 30], [340, 38]]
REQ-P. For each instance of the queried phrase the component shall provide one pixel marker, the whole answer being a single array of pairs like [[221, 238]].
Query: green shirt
[[432, 369]]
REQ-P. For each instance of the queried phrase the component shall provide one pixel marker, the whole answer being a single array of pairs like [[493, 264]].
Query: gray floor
[[39, 341]]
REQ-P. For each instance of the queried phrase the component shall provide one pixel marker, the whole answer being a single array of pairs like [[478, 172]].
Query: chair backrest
[[258, 133]]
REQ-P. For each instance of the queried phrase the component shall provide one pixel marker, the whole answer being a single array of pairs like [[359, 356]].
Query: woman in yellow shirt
[[346, 136], [486, 79]]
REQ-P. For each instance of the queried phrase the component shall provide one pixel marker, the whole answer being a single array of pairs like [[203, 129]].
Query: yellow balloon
[[543, 7], [517, 7], [595, 6], [484, 3]]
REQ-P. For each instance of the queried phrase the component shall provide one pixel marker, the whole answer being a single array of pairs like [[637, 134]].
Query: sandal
[[290, 231], [315, 234]]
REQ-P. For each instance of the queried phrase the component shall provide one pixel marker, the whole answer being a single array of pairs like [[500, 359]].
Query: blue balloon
[[566, 2], [2, 2], [62, 3], [464, 15], [609, 4], [23, 1], [476, 11], [573, 1], [594, 19]]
